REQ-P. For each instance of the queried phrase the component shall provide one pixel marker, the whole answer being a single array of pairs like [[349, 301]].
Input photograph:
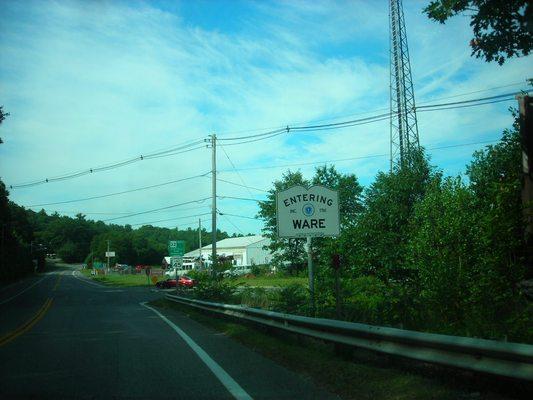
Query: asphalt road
[[63, 337]]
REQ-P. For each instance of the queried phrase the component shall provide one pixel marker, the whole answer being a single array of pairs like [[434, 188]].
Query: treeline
[[28, 235], [424, 251]]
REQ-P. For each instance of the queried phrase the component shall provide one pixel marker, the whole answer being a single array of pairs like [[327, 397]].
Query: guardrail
[[514, 360]]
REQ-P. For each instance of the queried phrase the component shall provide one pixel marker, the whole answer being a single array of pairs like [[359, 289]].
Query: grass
[[362, 376], [121, 280], [274, 280]]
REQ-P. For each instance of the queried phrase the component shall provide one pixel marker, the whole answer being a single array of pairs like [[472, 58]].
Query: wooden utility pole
[[214, 205], [200, 242]]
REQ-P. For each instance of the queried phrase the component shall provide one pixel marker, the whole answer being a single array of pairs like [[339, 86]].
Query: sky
[[92, 83]]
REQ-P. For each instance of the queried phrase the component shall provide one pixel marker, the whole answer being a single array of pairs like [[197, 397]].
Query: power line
[[280, 128], [118, 193], [170, 219], [228, 220], [108, 213], [266, 135], [355, 158], [238, 216], [286, 129], [157, 209], [238, 184], [238, 198], [165, 153], [238, 174]]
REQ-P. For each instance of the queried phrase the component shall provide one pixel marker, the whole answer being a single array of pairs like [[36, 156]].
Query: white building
[[245, 251]]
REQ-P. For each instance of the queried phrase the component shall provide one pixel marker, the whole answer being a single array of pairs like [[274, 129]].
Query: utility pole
[[107, 254], [214, 205], [200, 242], [311, 275]]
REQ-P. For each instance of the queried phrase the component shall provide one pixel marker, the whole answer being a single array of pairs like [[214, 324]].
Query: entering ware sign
[[302, 212]]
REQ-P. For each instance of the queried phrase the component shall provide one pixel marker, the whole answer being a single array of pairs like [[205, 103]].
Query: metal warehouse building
[[245, 251]]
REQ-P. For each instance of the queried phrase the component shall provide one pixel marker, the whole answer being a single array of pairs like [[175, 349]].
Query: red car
[[139, 268], [186, 281], [169, 283]]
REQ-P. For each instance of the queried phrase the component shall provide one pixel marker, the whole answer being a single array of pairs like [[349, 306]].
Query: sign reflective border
[[303, 212]]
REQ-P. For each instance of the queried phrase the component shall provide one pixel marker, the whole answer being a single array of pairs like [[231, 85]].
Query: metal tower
[[403, 125]]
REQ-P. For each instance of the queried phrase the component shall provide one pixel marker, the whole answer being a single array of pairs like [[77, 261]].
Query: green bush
[[293, 299], [212, 289], [256, 297]]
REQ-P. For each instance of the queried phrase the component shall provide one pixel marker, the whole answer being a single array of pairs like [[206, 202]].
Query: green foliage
[[3, 116], [256, 297], [290, 254], [213, 289], [287, 253], [502, 28], [293, 299], [376, 245]]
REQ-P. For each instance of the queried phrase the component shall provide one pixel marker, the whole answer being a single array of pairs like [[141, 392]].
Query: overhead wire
[[165, 153], [380, 109], [238, 174], [273, 133], [170, 219], [238, 184], [228, 220], [158, 209], [238, 216], [111, 213], [119, 193], [356, 158]]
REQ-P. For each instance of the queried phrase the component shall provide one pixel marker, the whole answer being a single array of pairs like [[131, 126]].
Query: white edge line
[[233, 387], [19, 293], [86, 280]]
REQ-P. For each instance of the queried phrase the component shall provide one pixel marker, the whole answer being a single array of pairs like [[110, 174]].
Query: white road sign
[[176, 262], [110, 254], [302, 212]]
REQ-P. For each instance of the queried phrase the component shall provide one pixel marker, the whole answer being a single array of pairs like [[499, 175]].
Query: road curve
[[68, 338]]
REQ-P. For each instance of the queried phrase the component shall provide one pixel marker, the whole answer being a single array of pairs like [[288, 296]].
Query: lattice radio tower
[[403, 125]]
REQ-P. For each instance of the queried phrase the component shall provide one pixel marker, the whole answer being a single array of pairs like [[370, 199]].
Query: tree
[[378, 240], [285, 251], [292, 251], [3, 116], [444, 248], [502, 28]]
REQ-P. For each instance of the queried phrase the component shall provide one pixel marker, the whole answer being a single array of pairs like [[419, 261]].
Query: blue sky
[[90, 83]]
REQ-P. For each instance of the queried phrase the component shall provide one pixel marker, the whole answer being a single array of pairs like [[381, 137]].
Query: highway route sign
[[307, 212], [176, 248]]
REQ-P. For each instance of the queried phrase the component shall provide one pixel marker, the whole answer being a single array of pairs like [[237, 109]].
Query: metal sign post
[[311, 275], [306, 213]]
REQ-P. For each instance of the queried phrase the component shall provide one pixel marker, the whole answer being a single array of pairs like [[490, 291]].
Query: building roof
[[230, 243]]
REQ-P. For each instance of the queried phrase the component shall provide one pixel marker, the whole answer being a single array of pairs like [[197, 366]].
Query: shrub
[[256, 297], [212, 289], [293, 299]]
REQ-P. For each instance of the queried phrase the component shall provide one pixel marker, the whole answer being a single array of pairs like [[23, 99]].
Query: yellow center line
[[57, 283], [27, 325]]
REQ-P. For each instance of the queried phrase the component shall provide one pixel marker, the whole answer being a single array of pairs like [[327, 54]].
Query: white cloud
[[87, 85]]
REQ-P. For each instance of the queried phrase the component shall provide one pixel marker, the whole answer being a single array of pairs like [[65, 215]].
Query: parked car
[[166, 284], [139, 268], [172, 272], [186, 281], [237, 271]]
